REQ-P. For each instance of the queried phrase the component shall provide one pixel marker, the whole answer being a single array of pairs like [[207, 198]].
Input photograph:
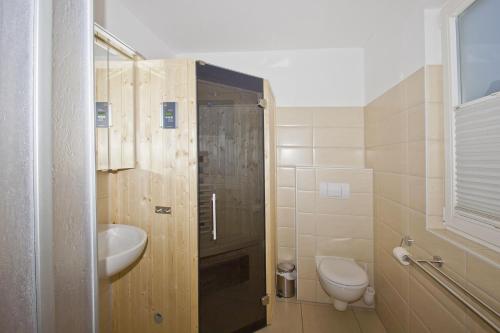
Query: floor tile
[[287, 319], [368, 321], [292, 316], [325, 319]]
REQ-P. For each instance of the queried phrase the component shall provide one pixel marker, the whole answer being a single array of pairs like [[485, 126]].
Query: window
[[473, 172]]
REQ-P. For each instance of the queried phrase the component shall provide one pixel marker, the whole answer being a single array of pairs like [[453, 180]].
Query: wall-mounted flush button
[[163, 210]]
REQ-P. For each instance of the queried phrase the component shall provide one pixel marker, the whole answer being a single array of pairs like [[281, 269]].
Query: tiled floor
[[296, 317]]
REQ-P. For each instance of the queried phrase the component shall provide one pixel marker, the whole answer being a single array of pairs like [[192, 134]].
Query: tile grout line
[[357, 320]]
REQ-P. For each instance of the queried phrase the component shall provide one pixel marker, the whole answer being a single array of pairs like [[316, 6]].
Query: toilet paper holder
[[406, 240], [436, 260]]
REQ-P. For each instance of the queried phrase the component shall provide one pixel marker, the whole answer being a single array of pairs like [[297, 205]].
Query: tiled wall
[[318, 136], [404, 146], [330, 226]]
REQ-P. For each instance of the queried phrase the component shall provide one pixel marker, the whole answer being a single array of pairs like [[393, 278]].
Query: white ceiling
[[236, 25]]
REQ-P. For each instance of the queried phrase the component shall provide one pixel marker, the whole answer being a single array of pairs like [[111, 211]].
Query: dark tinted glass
[[231, 167]]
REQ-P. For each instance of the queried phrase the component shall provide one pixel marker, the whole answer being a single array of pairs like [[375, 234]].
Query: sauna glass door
[[232, 269]]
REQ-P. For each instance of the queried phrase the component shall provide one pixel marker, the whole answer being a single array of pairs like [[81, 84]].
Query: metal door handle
[[214, 216]]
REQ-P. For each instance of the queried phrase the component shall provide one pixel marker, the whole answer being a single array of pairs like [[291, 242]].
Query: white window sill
[[474, 248]]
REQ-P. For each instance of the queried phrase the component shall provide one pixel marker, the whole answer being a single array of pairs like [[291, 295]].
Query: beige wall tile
[[417, 194], [435, 121], [416, 325], [357, 249], [414, 87], [339, 157], [394, 129], [392, 186], [368, 321], [393, 214], [434, 83], [306, 289], [360, 180], [286, 177], [344, 226], [295, 156], [483, 276], [307, 245], [391, 158], [285, 197], [398, 307], [295, 136], [372, 135], [396, 274], [339, 137], [306, 268], [306, 224], [285, 236], [416, 123], [306, 179], [359, 204], [305, 201], [338, 117], [386, 238], [390, 103], [285, 217], [391, 323], [416, 158], [433, 314], [286, 254], [294, 116]]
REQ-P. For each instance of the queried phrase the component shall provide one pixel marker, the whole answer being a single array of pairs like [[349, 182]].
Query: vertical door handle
[[214, 216]]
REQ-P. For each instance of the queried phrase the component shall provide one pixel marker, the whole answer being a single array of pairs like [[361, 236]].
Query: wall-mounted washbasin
[[119, 245]]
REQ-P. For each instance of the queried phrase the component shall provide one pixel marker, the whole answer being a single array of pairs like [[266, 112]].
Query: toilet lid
[[342, 271]]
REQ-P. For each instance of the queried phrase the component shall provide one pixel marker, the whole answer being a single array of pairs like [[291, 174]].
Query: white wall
[[395, 51], [320, 77], [401, 45], [121, 22]]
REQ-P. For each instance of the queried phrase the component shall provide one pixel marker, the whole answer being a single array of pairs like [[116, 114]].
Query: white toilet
[[342, 279]]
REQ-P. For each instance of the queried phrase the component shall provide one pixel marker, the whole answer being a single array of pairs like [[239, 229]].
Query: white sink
[[118, 246]]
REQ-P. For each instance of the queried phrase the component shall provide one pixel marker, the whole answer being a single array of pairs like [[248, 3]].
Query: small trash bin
[[285, 282]]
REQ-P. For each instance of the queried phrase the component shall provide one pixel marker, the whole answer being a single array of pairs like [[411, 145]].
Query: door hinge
[[265, 300], [262, 103]]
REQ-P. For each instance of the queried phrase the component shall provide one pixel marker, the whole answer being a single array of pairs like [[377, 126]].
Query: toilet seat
[[343, 272]]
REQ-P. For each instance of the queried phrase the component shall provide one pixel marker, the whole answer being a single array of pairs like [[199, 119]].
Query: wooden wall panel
[[165, 279], [165, 174], [270, 192]]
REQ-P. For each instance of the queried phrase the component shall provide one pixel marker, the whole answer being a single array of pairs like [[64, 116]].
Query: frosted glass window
[[479, 49]]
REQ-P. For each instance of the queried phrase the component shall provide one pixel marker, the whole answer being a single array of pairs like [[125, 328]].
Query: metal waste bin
[[285, 281]]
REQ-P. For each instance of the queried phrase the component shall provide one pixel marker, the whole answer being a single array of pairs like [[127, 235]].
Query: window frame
[[466, 226]]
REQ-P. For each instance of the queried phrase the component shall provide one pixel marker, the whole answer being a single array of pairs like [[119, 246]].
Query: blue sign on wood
[[168, 114], [102, 114]]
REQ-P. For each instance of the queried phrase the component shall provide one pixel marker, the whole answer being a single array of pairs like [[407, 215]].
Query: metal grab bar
[[487, 320], [459, 286]]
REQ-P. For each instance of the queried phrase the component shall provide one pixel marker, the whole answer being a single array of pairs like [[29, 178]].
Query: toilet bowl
[[342, 279]]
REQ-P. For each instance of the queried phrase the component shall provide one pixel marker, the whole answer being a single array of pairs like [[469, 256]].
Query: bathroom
[[268, 166]]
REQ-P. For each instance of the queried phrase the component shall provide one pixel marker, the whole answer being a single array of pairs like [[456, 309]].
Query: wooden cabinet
[[114, 88]]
